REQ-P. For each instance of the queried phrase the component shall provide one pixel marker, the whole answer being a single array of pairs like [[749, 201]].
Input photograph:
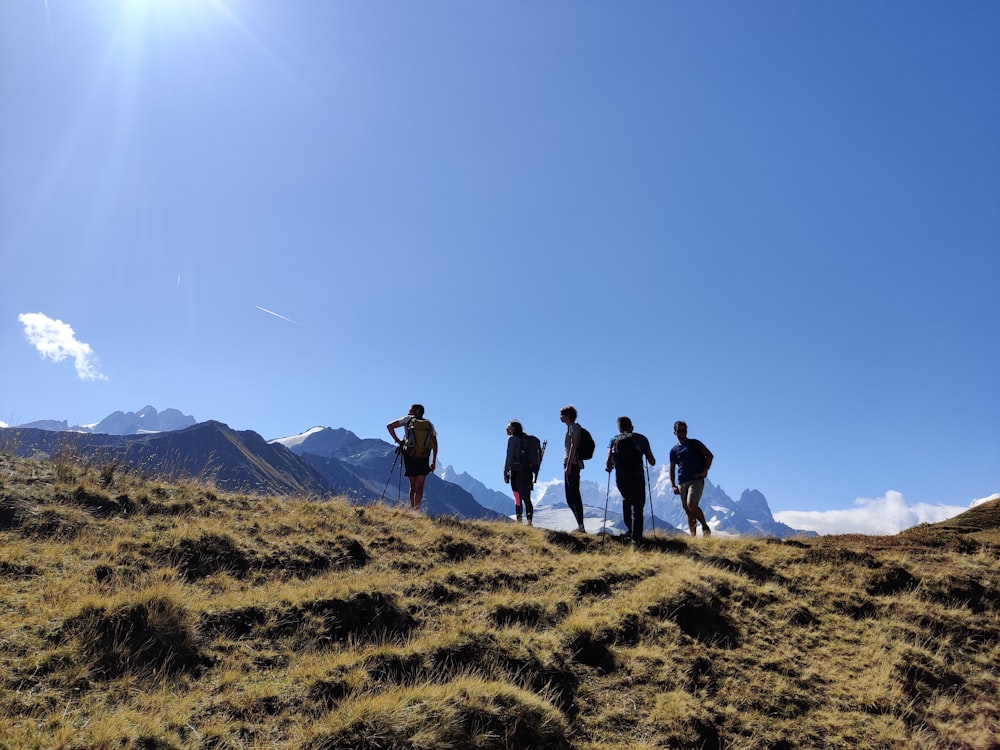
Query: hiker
[[572, 464], [625, 453], [419, 449], [517, 474], [691, 460]]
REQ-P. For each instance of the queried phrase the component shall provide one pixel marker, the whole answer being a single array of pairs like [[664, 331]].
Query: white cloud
[[56, 340], [982, 500], [884, 515], [4, 424]]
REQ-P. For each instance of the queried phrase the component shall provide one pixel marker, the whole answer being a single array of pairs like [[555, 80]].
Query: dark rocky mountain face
[[348, 461], [753, 505], [232, 461], [497, 501], [330, 463]]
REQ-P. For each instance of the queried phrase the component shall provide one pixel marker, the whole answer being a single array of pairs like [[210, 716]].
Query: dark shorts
[[417, 466], [521, 482]]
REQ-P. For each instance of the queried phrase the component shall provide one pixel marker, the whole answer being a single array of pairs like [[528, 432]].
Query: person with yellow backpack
[[419, 447]]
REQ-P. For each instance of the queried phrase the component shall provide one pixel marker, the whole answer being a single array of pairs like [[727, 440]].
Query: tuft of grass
[[467, 712]]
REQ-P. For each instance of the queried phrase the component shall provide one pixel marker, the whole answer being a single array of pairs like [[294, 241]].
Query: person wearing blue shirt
[[690, 461]]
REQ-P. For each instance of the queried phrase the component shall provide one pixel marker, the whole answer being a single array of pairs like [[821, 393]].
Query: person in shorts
[[419, 448], [690, 461]]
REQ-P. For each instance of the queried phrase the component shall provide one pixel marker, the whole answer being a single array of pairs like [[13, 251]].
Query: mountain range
[[324, 462], [144, 421]]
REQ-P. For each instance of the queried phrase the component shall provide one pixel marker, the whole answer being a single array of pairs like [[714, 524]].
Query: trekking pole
[[393, 469], [399, 483], [604, 528], [652, 516]]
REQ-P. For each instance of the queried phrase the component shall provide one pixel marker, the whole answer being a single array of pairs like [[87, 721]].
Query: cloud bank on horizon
[[56, 341], [889, 514]]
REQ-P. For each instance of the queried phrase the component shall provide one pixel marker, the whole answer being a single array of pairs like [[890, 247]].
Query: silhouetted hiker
[[625, 454], [419, 446], [692, 461], [517, 471], [572, 464]]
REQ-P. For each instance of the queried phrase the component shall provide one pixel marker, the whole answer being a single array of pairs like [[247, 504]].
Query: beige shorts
[[691, 493]]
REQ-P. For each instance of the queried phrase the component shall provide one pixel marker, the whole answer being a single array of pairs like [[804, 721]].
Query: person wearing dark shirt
[[625, 454], [690, 461], [518, 476]]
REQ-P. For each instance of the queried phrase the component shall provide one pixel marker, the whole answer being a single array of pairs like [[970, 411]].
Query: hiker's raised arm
[[392, 429]]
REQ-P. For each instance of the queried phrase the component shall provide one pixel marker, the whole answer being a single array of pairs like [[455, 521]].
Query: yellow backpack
[[418, 437]]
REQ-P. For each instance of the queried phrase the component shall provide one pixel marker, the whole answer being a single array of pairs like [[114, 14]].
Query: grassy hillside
[[143, 615]]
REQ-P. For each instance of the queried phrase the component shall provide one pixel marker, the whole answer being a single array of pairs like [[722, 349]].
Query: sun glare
[[164, 14], [149, 14], [173, 5], [176, 11]]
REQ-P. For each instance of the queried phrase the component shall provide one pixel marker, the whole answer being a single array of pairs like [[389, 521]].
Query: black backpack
[[585, 448], [532, 451], [626, 452]]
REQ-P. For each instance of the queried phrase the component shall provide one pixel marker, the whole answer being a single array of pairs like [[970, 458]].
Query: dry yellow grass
[[137, 614]]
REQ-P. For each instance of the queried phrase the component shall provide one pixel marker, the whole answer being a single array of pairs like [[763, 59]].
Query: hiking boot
[[580, 528], [706, 531], [530, 523]]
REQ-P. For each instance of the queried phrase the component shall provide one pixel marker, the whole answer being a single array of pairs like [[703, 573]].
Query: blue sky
[[779, 221]]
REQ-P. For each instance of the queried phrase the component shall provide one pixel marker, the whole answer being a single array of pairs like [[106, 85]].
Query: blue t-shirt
[[690, 460]]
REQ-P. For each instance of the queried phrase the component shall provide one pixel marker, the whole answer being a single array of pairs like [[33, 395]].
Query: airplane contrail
[[272, 312], [48, 19]]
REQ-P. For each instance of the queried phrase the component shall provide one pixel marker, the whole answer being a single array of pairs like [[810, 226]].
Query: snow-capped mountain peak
[[293, 440]]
